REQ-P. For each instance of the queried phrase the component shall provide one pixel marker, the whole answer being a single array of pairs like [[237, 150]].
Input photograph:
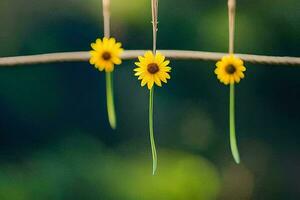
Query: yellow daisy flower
[[105, 54], [152, 69], [230, 69]]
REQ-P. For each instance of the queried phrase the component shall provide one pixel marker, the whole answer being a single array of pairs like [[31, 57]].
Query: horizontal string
[[133, 54]]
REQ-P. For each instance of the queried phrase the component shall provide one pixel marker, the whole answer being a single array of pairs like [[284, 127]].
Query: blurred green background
[[56, 143]]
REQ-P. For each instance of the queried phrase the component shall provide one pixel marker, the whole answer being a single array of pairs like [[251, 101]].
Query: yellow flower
[[230, 69], [106, 54], [152, 69]]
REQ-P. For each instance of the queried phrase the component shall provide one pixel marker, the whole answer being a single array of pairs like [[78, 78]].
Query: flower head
[[152, 69], [230, 69], [106, 54]]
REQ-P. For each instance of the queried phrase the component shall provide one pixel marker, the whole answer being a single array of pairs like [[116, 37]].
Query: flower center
[[152, 68], [106, 55], [230, 69]]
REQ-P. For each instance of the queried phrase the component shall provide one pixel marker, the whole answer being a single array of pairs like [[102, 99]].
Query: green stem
[[110, 100], [233, 144], [154, 155]]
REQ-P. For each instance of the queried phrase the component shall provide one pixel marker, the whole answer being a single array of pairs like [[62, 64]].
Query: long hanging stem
[[233, 144], [154, 9], [109, 82], [110, 100], [153, 148]]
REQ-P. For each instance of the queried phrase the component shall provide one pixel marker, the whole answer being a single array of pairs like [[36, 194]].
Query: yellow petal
[[218, 64], [141, 58], [159, 58], [116, 60], [162, 77], [143, 83], [157, 80], [237, 78], [167, 69], [100, 67], [111, 42], [167, 76], [138, 73], [99, 41], [150, 84], [241, 74], [149, 56], [217, 70], [137, 69], [92, 60], [93, 45], [138, 64], [166, 63], [118, 45], [105, 40], [142, 76], [243, 68], [231, 79], [109, 67]]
